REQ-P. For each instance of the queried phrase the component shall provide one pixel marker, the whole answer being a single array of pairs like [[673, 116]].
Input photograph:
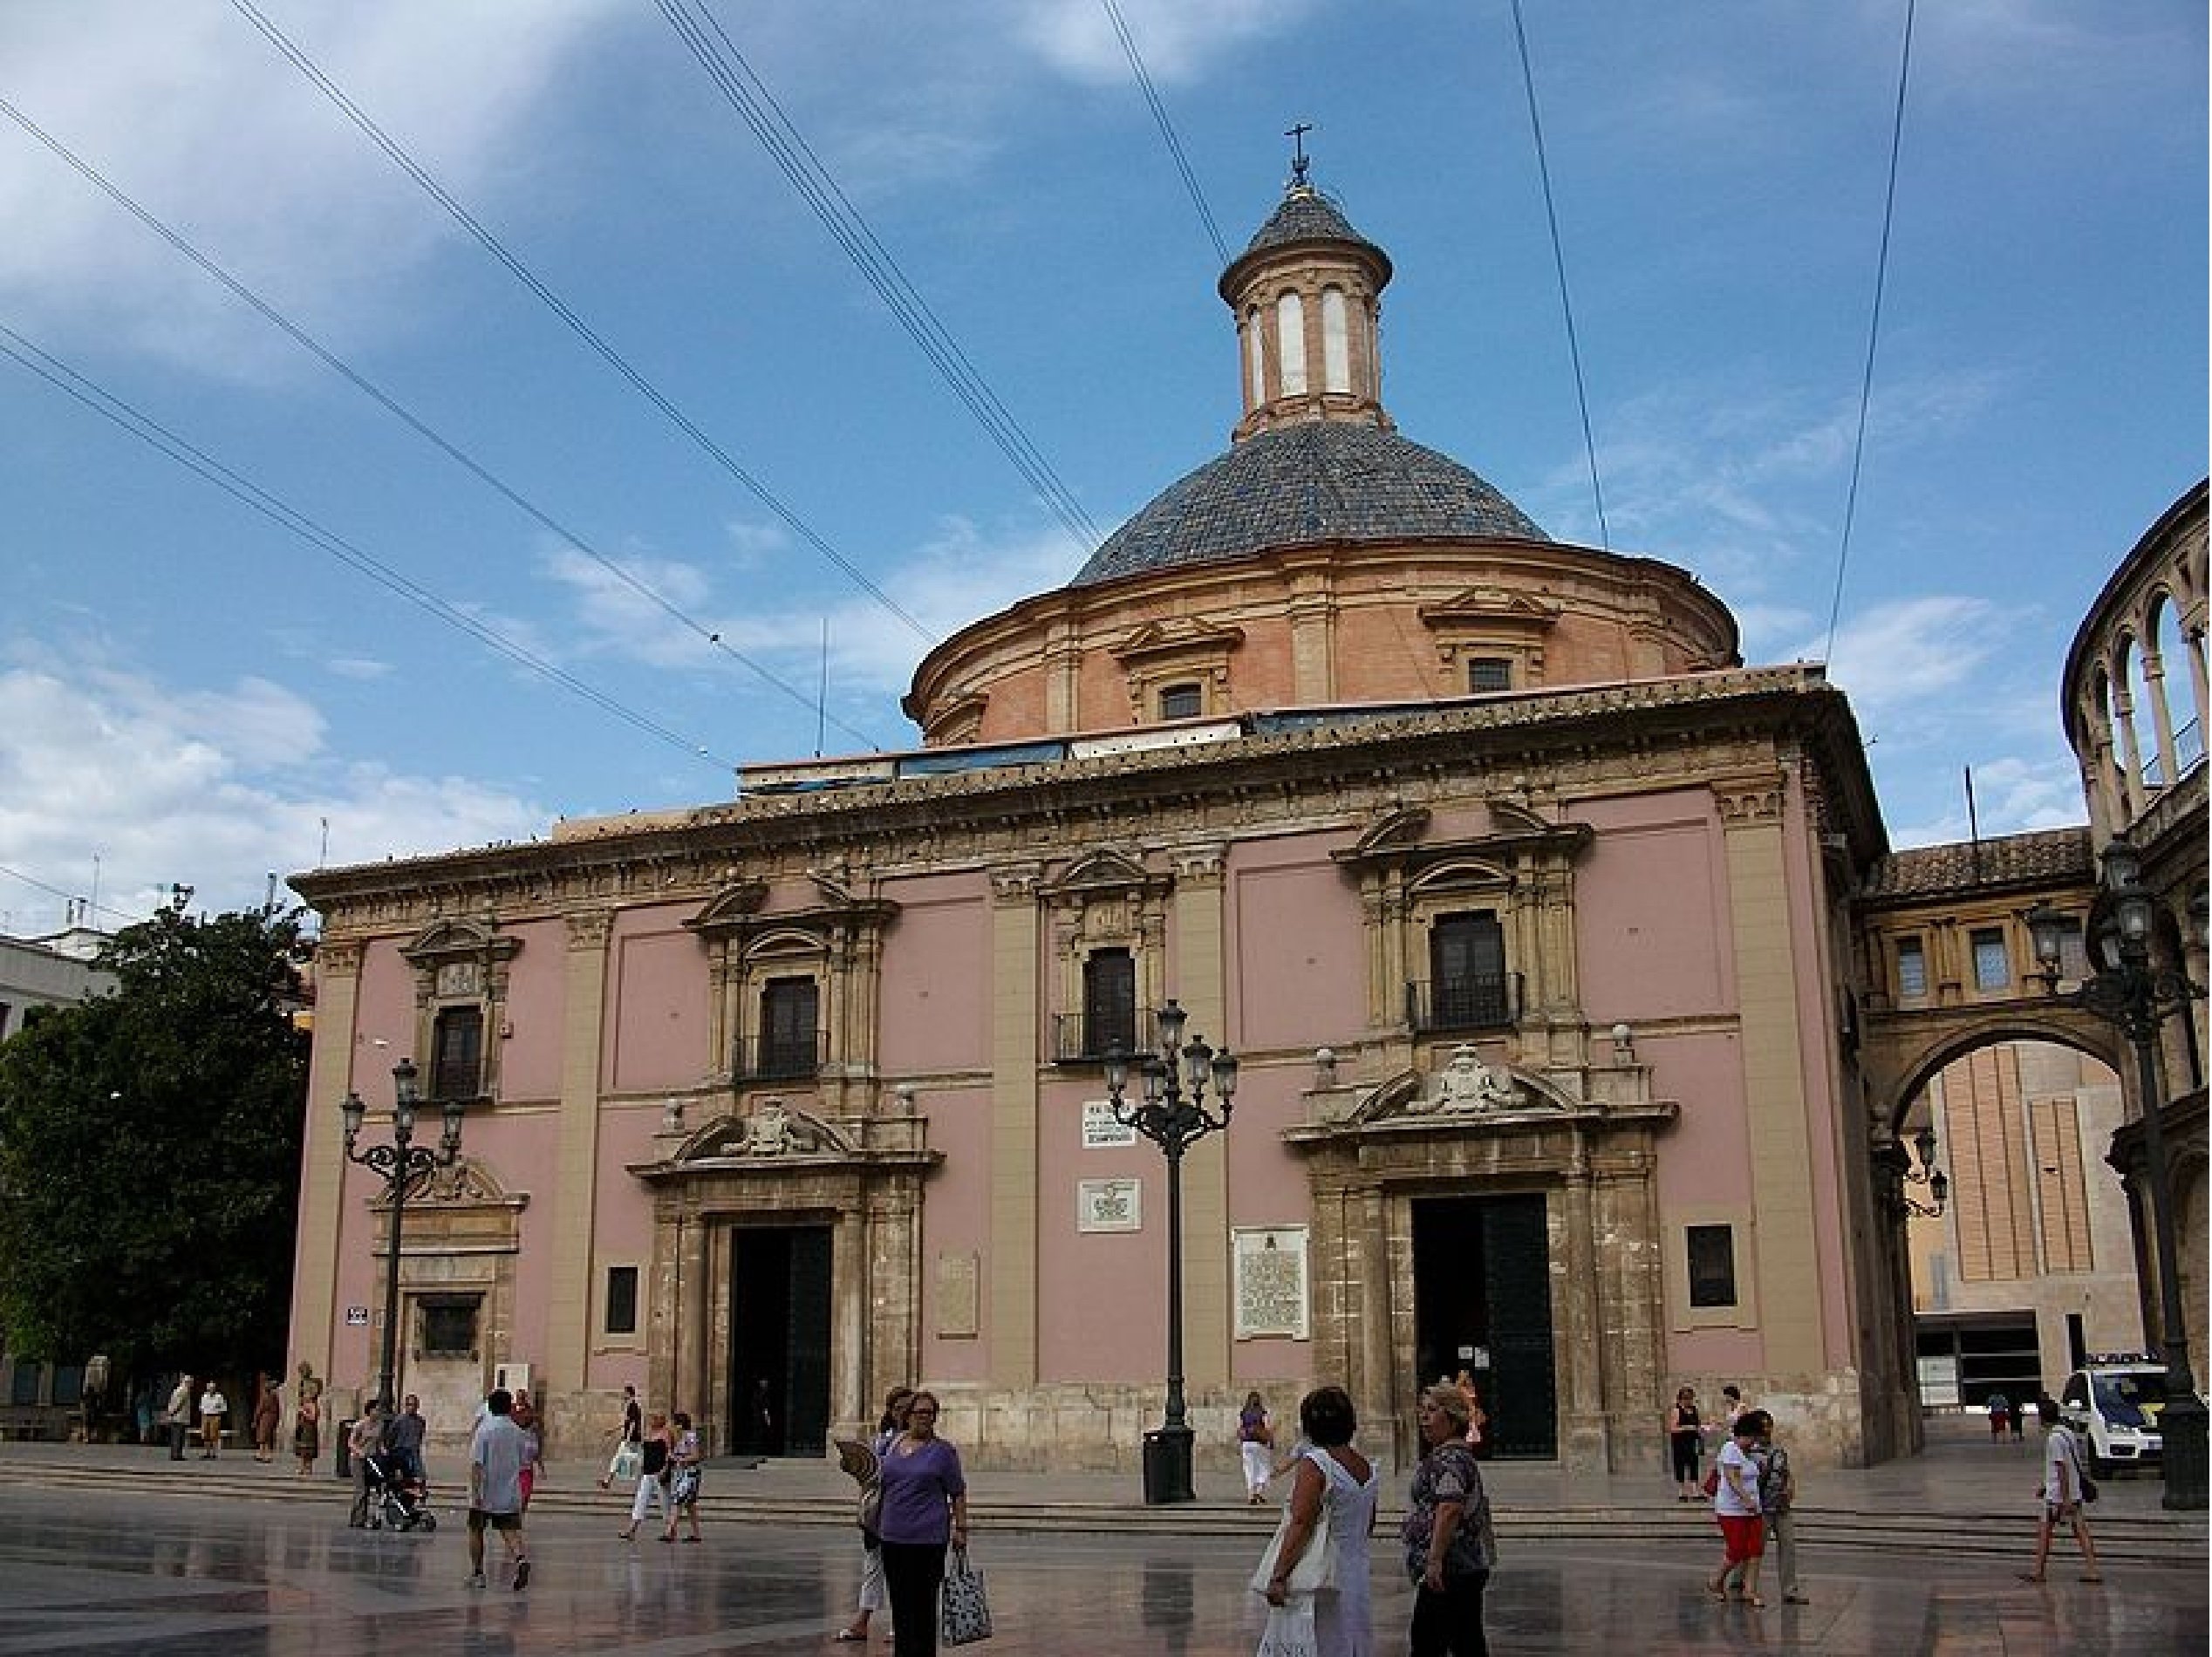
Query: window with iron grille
[[1489, 673], [1109, 1002], [457, 1053], [788, 1023], [1181, 701], [449, 1327], [1467, 971]]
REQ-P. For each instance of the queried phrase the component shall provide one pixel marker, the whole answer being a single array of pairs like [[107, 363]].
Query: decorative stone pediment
[[1106, 871], [1176, 636], [1488, 607], [734, 904], [1463, 1092], [1400, 826], [771, 1132], [464, 1183]]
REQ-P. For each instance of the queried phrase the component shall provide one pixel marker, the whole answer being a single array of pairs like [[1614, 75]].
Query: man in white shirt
[[496, 1459], [179, 1416], [212, 1406], [2061, 1492]]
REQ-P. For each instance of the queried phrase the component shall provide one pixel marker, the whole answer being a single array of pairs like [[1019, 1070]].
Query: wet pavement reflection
[[96, 1573]]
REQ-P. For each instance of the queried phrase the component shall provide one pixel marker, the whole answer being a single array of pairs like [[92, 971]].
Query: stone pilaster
[[1201, 978], [338, 992], [1011, 1292], [576, 1176]]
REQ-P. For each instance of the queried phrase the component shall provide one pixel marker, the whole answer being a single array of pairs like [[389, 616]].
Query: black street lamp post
[[1173, 1116], [2128, 991], [399, 1162]]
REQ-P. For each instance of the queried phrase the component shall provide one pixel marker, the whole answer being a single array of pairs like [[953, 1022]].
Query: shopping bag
[[628, 1458], [1315, 1568], [964, 1614], [1290, 1632]]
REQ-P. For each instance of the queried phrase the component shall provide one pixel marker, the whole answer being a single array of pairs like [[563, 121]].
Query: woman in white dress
[[1335, 1478]]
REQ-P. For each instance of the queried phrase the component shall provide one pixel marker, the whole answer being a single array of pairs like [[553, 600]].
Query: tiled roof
[[1928, 872], [1306, 215], [1322, 480]]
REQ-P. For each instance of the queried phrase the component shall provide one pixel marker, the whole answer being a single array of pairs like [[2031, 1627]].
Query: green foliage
[[149, 1154]]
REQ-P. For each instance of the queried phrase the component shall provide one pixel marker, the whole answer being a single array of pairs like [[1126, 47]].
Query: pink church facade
[[1523, 902]]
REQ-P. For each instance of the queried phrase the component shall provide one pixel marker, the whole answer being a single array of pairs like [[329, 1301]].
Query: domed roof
[[1320, 480], [1305, 215]]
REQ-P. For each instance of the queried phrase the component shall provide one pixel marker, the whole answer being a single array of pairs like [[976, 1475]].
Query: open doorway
[[779, 1402], [1482, 1289]]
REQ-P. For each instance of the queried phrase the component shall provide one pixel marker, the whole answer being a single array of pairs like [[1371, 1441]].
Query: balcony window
[[789, 1043], [1468, 987], [457, 1053]]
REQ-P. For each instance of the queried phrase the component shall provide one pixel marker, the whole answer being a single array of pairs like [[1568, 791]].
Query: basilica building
[[1524, 904]]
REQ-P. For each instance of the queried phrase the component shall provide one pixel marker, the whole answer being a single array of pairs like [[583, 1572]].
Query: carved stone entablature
[[338, 958], [464, 1183], [1015, 882], [1748, 800], [451, 943]]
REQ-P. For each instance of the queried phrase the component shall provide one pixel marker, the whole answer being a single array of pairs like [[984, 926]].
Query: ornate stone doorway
[[1482, 1302], [779, 1364]]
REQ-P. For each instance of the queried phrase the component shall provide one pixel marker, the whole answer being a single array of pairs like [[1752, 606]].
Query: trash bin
[[1167, 1466], [345, 1451]]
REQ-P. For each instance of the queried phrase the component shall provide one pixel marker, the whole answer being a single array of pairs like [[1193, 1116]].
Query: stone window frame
[[1181, 650], [462, 964], [1105, 899], [1490, 623], [1743, 1312], [611, 1340]]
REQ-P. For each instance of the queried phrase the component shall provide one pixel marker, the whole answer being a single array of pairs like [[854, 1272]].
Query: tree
[[150, 1149]]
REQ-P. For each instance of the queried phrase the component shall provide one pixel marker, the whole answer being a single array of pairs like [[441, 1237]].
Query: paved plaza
[[169, 1571]]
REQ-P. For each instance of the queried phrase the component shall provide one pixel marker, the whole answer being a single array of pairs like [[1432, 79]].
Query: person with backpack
[[2065, 1491], [1776, 1499]]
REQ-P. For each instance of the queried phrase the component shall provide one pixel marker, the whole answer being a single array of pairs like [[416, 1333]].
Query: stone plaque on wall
[[1269, 1263], [959, 1296], [1109, 1205], [1100, 1129]]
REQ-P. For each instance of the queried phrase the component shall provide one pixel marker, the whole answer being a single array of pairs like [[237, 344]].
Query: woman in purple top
[[924, 1505]]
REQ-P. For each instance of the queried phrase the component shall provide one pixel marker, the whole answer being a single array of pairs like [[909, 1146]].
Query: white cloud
[[189, 111], [1178, 39], [109, 774]]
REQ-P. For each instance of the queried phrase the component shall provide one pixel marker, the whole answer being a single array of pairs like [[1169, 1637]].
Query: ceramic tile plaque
[[1269, 1263]]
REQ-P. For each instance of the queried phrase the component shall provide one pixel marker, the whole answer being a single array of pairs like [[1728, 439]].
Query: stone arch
[[1893, 1088]]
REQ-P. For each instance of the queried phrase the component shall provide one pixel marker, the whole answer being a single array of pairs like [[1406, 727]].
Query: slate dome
[[1323, 480]]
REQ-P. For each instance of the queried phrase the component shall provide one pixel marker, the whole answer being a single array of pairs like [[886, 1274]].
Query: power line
[[399, 411], [1559, 261], [583, 330], [90, 906], [1874, 327], [71, 384], [1167, 129], [743, 89]]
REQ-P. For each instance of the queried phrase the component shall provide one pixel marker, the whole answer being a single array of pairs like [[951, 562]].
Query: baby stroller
[[396, 1502]]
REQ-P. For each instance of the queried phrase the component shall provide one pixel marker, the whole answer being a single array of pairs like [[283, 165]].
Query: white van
[[2112, 1404]]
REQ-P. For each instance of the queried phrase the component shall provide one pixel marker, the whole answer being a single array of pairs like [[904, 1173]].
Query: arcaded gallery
[[1521, 902]]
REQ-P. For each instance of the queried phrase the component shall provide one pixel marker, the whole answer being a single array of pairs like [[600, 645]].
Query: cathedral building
[[1524, 904]]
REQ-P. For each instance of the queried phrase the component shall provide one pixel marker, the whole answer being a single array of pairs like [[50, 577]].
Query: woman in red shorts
[[1736, 1505]]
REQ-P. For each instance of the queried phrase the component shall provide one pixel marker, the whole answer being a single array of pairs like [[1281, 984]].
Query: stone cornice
[[684, 856]]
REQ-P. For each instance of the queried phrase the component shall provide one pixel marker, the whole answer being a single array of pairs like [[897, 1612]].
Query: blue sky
[[190, 693]]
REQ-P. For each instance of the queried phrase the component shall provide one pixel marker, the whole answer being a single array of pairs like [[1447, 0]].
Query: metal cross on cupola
[[1299, 160]]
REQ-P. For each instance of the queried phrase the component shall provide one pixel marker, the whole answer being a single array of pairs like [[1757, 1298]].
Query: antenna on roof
[[1299, 160], [1973, 826]]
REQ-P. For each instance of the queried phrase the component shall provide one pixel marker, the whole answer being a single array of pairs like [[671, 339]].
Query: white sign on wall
[[356, 1316], [1100, 1131], [1270, 1288], [1109, 1205]]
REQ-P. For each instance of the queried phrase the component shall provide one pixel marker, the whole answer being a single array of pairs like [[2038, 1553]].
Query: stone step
[[2131, 1540]]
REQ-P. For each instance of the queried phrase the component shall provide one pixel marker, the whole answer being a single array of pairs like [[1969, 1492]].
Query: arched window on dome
[[1255, 343], [1290, 343], [1336, 344], [2139, 742]]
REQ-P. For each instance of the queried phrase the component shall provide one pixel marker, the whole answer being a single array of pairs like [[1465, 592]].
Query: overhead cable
[[460, 457], [575, 322], [742, 88], [1167, 128], [71, 384], [1873, 328], [1558, 263]]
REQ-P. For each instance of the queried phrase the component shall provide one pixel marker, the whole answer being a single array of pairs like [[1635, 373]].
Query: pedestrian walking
[[1736, 1508], [524, 1415], [924, 1507], [307, 1426], [1255, 1446], [1450, 1546], [685, 1472], [1777, 1504], [652, 1474], [178, 1417], [1685, 1443], [495, 1488], [269, 1415], [213, 1407], [2064, 1492], [2000, 1409], [626, 1435], [364, 1441], [1337, 1483], [865, 1463], [403, 1439]]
